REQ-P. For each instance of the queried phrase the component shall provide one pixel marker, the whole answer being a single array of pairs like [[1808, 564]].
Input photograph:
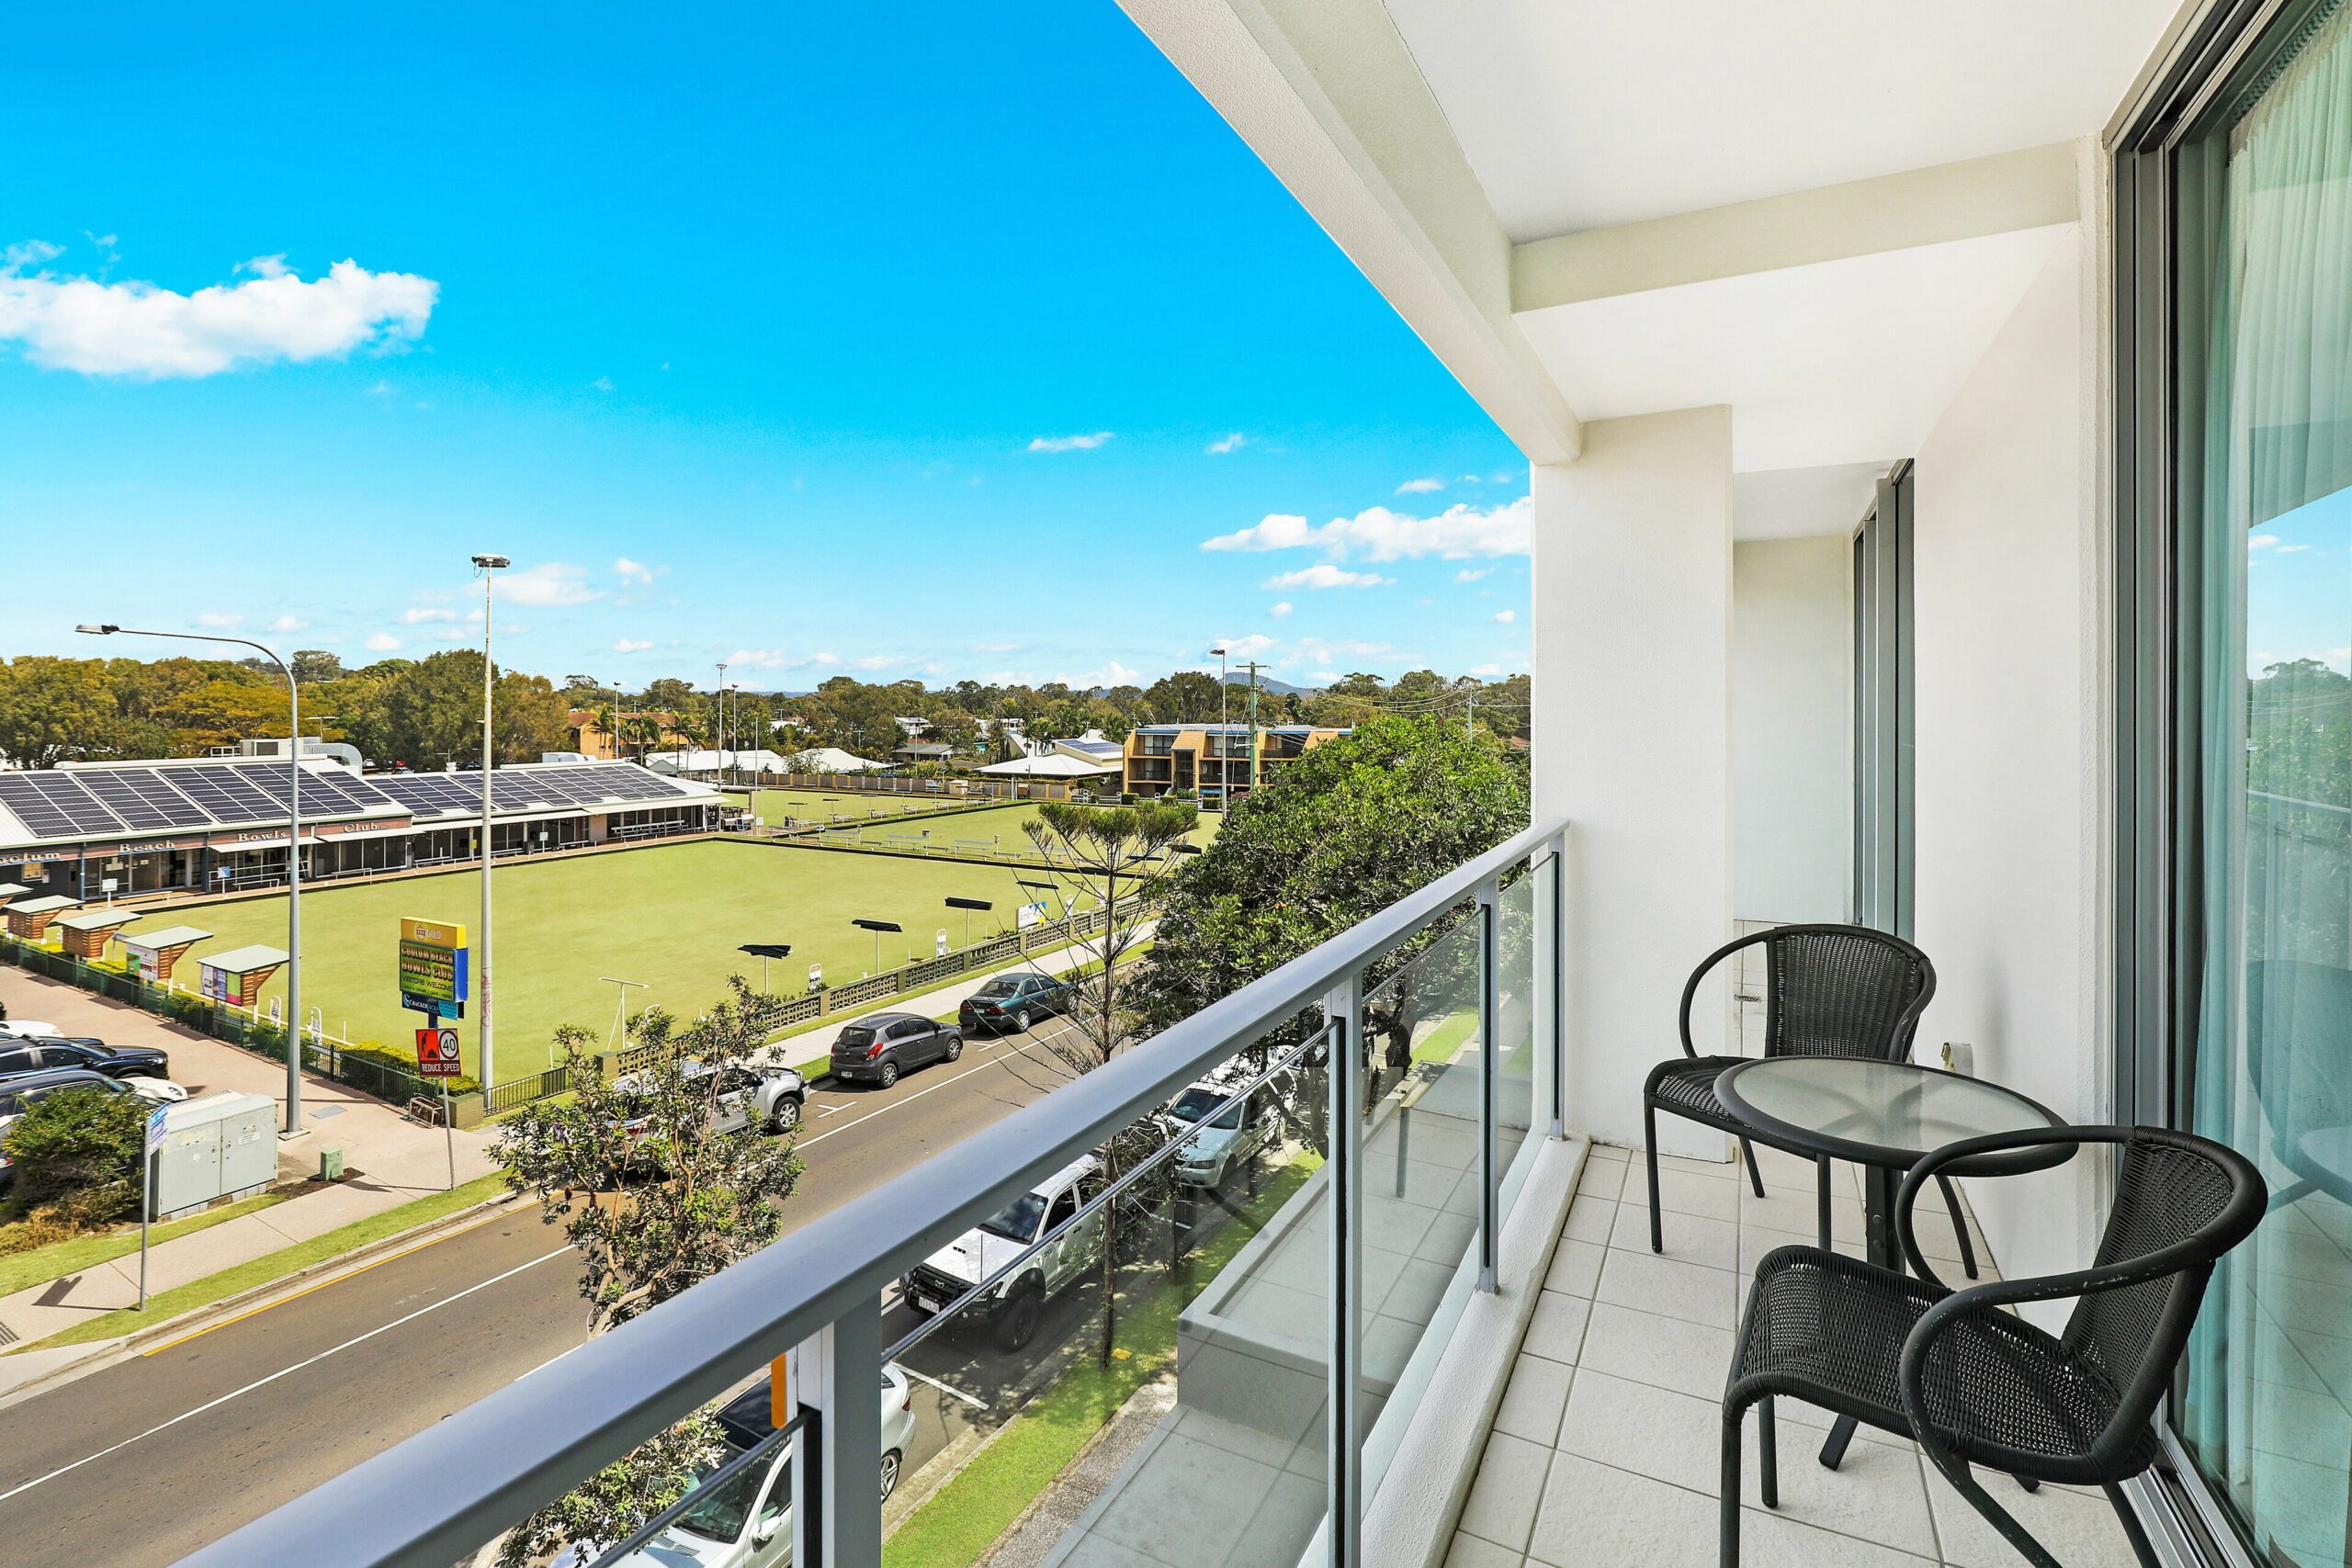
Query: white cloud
[[630, 645], [601, 384], [1247, 647], [1323, 574], [289, 624], [1471, 573], [1278, 611], [1224, 444], [552, 583], [420, 616], [996, 648], [1420, 487], [879, 660], [1489, 672], [1069, 442], [1320, 653], [2290, 550], [381, 389], [758, 658], [1378, 534], [2262, 542], [636, 571], [1506, 616], [1112, 673], [220, 620], [138, 328], [383, 642]]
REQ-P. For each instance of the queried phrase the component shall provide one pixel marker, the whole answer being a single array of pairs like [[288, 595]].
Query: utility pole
[[719, 696], [1470, 719], [1253, 667], [1224, 761]]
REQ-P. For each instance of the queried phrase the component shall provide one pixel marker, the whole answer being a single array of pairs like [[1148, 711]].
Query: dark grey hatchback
[[881, 1046]]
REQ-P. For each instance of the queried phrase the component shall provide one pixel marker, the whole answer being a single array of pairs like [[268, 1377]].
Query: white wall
[[1790, 730], [1632, 743], [2011, 756]]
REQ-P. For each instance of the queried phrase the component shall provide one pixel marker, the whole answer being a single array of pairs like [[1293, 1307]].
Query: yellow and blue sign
[[433, 968]]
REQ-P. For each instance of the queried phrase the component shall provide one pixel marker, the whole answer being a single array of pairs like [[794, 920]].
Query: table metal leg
[[1878, 1188]]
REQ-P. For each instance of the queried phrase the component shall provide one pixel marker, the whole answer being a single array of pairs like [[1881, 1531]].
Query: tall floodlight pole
[[1253, 667], [487, 564], [719, 696], [293, 851]]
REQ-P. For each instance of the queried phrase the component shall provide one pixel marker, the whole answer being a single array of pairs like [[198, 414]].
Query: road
[[146, 1460]]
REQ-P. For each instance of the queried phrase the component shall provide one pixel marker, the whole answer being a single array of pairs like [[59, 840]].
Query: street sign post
[[154, 1143], [437, 1058]]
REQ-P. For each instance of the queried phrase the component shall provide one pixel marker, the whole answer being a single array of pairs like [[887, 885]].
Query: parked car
[[29, 1029], [115, 1061], [769, 1099], [1015, 1305], [1015, 1001], [1226, 1139], [21, 1093], [746, 1520], [881, 1047]]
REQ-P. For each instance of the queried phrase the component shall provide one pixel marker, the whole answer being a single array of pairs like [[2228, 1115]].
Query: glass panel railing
[[1418, 1141], [1516, 1001], [1204, 1229]]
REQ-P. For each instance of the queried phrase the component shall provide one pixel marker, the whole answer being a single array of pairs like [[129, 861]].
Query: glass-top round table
[[1881, 1115]]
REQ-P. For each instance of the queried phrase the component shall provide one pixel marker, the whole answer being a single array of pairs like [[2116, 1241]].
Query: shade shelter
[[152, 954], [29, 921], [238, 975], [86, 935]]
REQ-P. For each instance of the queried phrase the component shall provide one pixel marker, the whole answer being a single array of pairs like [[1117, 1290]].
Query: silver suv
[[1016, 1304], [769, 1099]]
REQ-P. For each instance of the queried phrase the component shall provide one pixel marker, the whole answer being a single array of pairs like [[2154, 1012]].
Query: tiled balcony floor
[[1605, 1450]]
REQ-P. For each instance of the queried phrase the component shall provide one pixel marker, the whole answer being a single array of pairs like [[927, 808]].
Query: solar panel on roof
[[226, 793], [84, 810], [31, 807], [157, 791], [121, 796]]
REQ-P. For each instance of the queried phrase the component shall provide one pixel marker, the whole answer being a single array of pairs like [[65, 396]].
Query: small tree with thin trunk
[[1120, 860], [655, 1203]]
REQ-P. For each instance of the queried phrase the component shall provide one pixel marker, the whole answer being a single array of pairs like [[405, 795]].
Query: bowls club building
[[217, 825]]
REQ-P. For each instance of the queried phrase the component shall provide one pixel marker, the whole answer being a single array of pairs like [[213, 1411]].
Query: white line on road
[[282, 1372], [950, 1393]]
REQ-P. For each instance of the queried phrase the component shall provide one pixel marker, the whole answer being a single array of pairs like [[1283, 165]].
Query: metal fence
[[1479, 950], [527, 1088]]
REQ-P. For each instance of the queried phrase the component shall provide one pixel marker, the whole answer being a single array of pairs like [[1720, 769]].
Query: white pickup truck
[[1016, 1303]]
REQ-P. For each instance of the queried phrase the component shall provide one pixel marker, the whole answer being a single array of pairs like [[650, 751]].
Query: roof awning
[[96, 919], [43, 905], [245, 960], [170, 936]]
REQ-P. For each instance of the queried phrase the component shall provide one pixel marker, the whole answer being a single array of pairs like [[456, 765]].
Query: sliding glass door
[[2241, 802], [1883, 745]]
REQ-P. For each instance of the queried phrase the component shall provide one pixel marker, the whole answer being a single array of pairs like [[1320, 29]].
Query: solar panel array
[[107, 802]]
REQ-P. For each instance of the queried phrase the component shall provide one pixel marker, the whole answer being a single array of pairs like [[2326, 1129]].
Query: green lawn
[[1006, 826], [823, 805], [39, 1264], [672, 915]]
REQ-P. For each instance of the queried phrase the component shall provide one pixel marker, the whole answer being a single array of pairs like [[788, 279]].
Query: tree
[[1349, 828], [51, 709], [685, 1201], [1188, 696], [1119, 857], [314, 665], [79, 1149]]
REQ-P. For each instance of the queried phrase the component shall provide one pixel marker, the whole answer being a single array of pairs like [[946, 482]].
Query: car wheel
[[785, 1116], [888, 1075], [889, 1473], [954, 1048], [1019, 1323], [1020, 1020]]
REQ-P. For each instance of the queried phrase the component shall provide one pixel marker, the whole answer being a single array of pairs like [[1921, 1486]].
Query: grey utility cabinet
[[221, 1146]]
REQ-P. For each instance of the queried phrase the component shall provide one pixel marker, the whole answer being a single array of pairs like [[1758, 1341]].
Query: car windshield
[[996, 988], [1196, 1102], [719, 1513], [1017, 1221]]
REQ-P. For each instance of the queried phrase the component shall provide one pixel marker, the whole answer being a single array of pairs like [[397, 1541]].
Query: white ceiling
[[1794, 503], [1847, 361], [1581, 114]]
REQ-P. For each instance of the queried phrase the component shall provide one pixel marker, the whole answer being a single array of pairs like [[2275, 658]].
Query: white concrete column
[[1633, 745]]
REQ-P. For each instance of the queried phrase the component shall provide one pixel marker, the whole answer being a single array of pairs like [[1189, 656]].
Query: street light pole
[[1224, 761], [486, 565], [293, 852], [719, 696]]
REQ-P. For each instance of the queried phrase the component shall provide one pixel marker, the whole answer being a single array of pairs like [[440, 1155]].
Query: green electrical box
[[331, 1163]]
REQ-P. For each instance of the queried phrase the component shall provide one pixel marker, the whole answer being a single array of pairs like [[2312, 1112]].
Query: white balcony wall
[[2012, 765], [1792, 703], [1632, 579]]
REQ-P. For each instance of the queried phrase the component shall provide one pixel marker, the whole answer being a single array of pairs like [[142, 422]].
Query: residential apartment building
[[1213, 761], [1968, 388], [643, 732]]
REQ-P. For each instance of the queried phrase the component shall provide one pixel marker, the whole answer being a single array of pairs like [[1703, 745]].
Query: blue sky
[[761, 336]]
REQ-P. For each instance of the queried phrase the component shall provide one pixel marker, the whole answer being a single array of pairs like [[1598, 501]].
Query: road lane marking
[[322, 1284], [950, 1393], [910, 1098], [282, 1372]]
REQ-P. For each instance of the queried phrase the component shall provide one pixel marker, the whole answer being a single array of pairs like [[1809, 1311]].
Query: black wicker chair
[[1829, 990], [1976, 1385]]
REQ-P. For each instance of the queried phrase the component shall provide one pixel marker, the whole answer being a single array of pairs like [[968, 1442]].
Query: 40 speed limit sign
[[437, 1052]]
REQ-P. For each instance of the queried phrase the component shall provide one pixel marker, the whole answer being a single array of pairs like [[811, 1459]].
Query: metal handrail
[[474, 1474]]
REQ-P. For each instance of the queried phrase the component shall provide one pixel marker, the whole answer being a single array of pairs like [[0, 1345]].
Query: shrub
[[79, 1149]]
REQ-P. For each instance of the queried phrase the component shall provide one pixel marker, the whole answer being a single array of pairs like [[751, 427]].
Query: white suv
[[1016, 1304], [766, 1098], [1220, 1142]]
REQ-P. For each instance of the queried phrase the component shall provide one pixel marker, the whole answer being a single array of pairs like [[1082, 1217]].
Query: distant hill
[[1280, 688]]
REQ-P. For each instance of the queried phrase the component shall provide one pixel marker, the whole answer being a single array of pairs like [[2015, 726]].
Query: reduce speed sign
[[437, 1052]]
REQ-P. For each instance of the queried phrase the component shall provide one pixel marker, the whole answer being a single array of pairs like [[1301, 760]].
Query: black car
[[1015, 1001], [882, 1046], [95, 1055]]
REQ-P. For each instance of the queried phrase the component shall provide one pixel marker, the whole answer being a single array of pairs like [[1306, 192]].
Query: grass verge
[[966, 1516], [274, 1264], [39, 1265]]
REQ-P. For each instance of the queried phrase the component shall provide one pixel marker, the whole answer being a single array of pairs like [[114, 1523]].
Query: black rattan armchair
[[1829, 990], [1976, 1385]]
